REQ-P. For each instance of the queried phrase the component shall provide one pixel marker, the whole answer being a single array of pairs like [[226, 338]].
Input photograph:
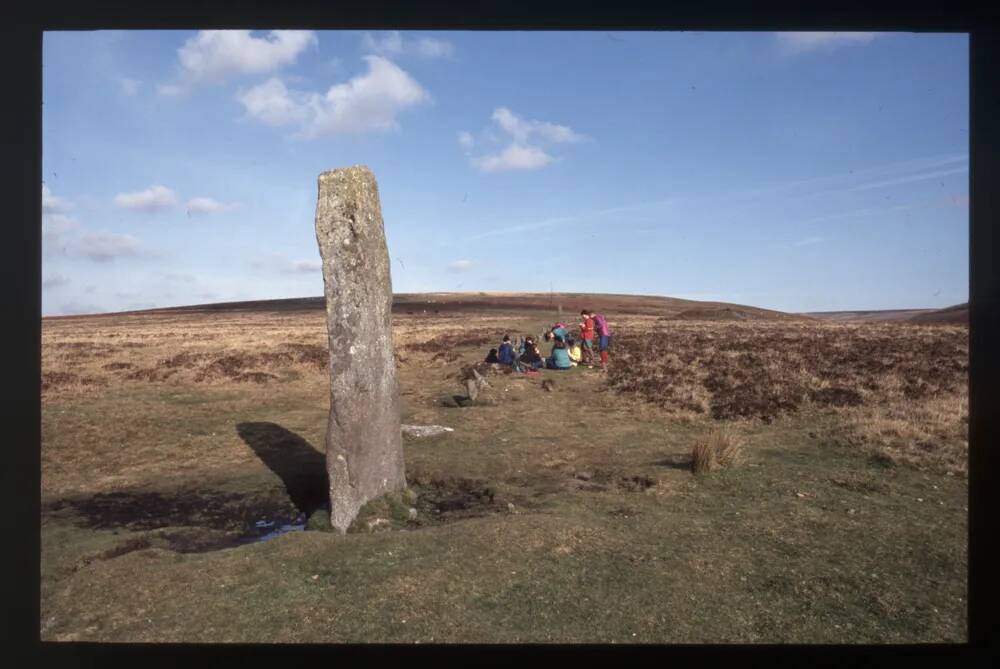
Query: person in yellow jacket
[[575, 354]]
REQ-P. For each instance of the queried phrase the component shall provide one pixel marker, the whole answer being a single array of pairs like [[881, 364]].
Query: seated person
[[506, 352], [560, 357], [492, 356], [575, 354], [531, 357]]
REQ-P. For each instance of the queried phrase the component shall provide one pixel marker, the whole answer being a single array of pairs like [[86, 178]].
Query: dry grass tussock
[[721, 447]]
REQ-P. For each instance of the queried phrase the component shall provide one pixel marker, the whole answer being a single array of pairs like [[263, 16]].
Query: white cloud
[[129, 86], [154, 198], [51, 203], [809, 41], [213, 55], [460, 265], [808, 241], [206, 205], [523, 131], [523, 152], [368, 102], [105, 246], [271, 103], [392, 43], [514, 157]]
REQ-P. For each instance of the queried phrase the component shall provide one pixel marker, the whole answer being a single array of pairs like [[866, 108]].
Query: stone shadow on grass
[[300, 466], [677, 461]]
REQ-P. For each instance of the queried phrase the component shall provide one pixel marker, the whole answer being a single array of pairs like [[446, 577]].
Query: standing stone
[[364, 446]]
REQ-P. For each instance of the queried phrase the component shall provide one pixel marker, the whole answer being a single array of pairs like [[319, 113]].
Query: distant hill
[[958, 313], [571, 303]]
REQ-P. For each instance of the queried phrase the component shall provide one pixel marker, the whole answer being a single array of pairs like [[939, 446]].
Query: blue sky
[[793, 171]]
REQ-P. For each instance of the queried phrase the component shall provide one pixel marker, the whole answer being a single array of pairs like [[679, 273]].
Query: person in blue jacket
[[506, 353]]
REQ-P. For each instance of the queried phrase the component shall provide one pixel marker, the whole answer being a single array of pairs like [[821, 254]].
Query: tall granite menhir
[[364, 449]]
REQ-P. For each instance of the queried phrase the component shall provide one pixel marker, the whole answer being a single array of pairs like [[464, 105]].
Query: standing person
[[604, 336], [587, 337]]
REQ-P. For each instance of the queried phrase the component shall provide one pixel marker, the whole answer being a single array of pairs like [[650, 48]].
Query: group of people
[[567, 351]]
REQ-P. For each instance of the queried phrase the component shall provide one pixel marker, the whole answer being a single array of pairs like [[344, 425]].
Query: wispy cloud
[[808, 241], [64, 236], [105, 246], [206, 205], [154, 198], [573, 218], [368, 102], [129, 87], [797, 42], [54, 280], [392, 43], [79, 308], [878, 176], [460, 266], [282, 265]]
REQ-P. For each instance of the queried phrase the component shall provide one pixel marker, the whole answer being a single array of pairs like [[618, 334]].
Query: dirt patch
[[638, 483], [839, 397], [859, 484], [56, 380], [310, 355], [114, 366], [444, 500], [446, 342], [254, 377], [145, 374], [186, 360]]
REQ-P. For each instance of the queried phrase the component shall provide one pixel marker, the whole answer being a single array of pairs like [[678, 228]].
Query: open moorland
[[562, 508]]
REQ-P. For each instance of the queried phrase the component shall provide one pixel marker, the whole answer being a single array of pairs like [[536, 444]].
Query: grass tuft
[[718, 448]]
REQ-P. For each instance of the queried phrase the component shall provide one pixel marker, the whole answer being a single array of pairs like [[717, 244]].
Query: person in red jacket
[[587, 337]]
